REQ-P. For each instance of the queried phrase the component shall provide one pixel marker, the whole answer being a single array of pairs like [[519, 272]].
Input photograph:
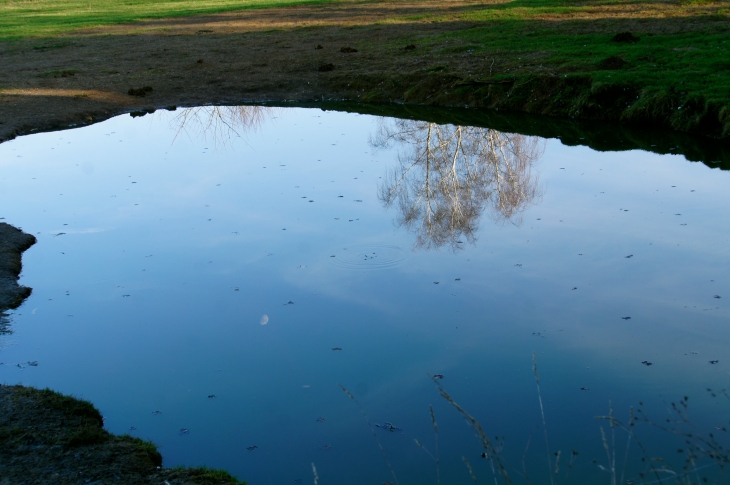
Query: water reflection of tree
[[220, 123], [448, 175]]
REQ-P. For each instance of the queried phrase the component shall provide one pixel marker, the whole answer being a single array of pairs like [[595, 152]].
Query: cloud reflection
[[448, 175]]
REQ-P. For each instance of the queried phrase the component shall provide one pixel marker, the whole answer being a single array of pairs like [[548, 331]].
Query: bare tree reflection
[[448, 175], [220, 123]]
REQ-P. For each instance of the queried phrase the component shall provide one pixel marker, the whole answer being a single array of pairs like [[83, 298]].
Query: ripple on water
[[368, 256]]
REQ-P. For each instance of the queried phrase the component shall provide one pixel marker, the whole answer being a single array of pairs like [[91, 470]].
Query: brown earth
[[255, 56], [269, 55]]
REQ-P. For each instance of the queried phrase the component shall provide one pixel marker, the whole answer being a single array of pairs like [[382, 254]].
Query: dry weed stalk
[[471, 471], [314, 472], [434, 458], [491, 452], [372, 430], [544, 423]]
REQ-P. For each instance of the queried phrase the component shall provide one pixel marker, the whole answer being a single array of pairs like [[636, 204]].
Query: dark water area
[[598, 135], [264, 289]]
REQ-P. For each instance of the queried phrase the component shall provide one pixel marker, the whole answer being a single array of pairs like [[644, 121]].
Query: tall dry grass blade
[[420, 445], [645, 453], [524, 455], [613, 442], [573, 455], [436, 435], [608, 455], [628, 444], [490, 450], [471, 471], [542, 413], [372, 430], [314, 472]]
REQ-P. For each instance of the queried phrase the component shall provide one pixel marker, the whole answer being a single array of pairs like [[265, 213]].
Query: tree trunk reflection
[[448, 175]]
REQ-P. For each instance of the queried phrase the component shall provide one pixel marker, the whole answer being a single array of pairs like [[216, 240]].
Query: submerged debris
[[389, 427]]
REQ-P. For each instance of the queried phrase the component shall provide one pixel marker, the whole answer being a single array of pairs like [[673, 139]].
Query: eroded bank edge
[[572, 110]]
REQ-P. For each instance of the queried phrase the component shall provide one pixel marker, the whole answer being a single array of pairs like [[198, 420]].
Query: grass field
[[665, 62], [36, 18], [676, 47]]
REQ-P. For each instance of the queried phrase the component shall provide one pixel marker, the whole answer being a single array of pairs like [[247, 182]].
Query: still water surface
[[267, 257]]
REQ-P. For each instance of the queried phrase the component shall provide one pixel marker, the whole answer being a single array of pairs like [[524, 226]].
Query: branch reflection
[[448, 175], [220, 123]]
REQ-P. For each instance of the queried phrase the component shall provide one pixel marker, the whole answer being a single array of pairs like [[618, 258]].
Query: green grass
[[145, 448], [695, 62], [680, 62], [37, 18], [210, 476], [677, 71], [69, 405]]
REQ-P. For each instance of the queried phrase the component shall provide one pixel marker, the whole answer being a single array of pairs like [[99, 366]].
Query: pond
[[268, 290]]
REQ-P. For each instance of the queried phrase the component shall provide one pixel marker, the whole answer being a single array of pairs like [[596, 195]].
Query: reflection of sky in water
[[174, 254]]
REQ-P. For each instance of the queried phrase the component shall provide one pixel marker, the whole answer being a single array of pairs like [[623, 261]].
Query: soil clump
[[13, 242], [49, 438]]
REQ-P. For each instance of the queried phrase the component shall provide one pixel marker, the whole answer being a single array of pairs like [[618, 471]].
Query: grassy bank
[[633, 61], [41, 18], [662, 63], [47, 437]]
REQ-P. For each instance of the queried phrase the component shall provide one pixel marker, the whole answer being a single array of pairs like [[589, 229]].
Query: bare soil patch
[[255, 56]]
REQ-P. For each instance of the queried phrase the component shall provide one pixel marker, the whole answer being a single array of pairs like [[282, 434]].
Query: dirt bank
[[47, 438], [13, 242], [375, 52]]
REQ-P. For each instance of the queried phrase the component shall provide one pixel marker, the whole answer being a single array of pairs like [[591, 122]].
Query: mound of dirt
[[141, 92], [612, 63], [49, 438], [625, 37], [13, 242]]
